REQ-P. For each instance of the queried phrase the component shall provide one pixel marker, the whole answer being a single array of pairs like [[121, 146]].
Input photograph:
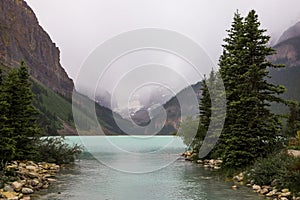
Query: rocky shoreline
[[210, 164], [26, 178], [269, 192]]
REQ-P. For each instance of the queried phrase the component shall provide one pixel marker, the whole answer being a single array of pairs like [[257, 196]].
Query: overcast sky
[[79, 26]]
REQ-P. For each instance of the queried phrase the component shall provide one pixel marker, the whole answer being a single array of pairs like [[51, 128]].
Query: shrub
[[278, 169], [56, 150], [292, 179]]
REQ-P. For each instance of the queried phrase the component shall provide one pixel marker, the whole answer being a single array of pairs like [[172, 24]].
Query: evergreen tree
[[204, 116], [212, 110], [212, 113], [21, 113], [293, 121], [250, 128], [204, 109], [7, 144], [205, 103]]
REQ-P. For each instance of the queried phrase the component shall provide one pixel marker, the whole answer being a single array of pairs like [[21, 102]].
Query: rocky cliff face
[[22, 38], [288, 52]]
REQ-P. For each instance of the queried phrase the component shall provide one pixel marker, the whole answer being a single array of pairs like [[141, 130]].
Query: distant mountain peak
[[291, 32]]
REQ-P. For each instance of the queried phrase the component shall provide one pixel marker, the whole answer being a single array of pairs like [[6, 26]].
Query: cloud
[[80, 26]]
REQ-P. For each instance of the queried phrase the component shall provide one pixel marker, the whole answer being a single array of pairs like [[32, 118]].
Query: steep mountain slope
[[22, 38]]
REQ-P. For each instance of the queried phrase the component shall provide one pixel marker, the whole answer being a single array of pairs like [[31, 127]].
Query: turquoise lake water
[[135, 168]]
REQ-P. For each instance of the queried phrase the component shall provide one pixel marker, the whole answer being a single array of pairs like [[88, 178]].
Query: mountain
[[288, 53], [22, 38], [172, 109]]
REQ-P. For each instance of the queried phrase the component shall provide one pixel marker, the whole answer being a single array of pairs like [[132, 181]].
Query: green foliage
[[266, 170], [212, 112], [294, 147], [19, 132], [250, 129], [205, 103], [293, 122], [49, 121], [278, 169], [7, 144], [20, 115], [56, 150]]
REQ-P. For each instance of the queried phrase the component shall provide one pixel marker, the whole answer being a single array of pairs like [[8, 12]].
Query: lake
[[135, 168]]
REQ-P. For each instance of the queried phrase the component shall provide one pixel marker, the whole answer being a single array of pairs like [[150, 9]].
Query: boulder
[[12, 167], [10, 195], [45, 186], [27, 190], [264, 191], [31, 163], [285, 190], [188, 153], [285, 194], [32, 175], [20, 195], [239, 177], [31, 168], [17, 186], [34, 182], [266, 186], [271, 193], [8, 188], [199, 161], [45, 166], [50, 180], [48, 176], [256, 187], [218, 162]]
